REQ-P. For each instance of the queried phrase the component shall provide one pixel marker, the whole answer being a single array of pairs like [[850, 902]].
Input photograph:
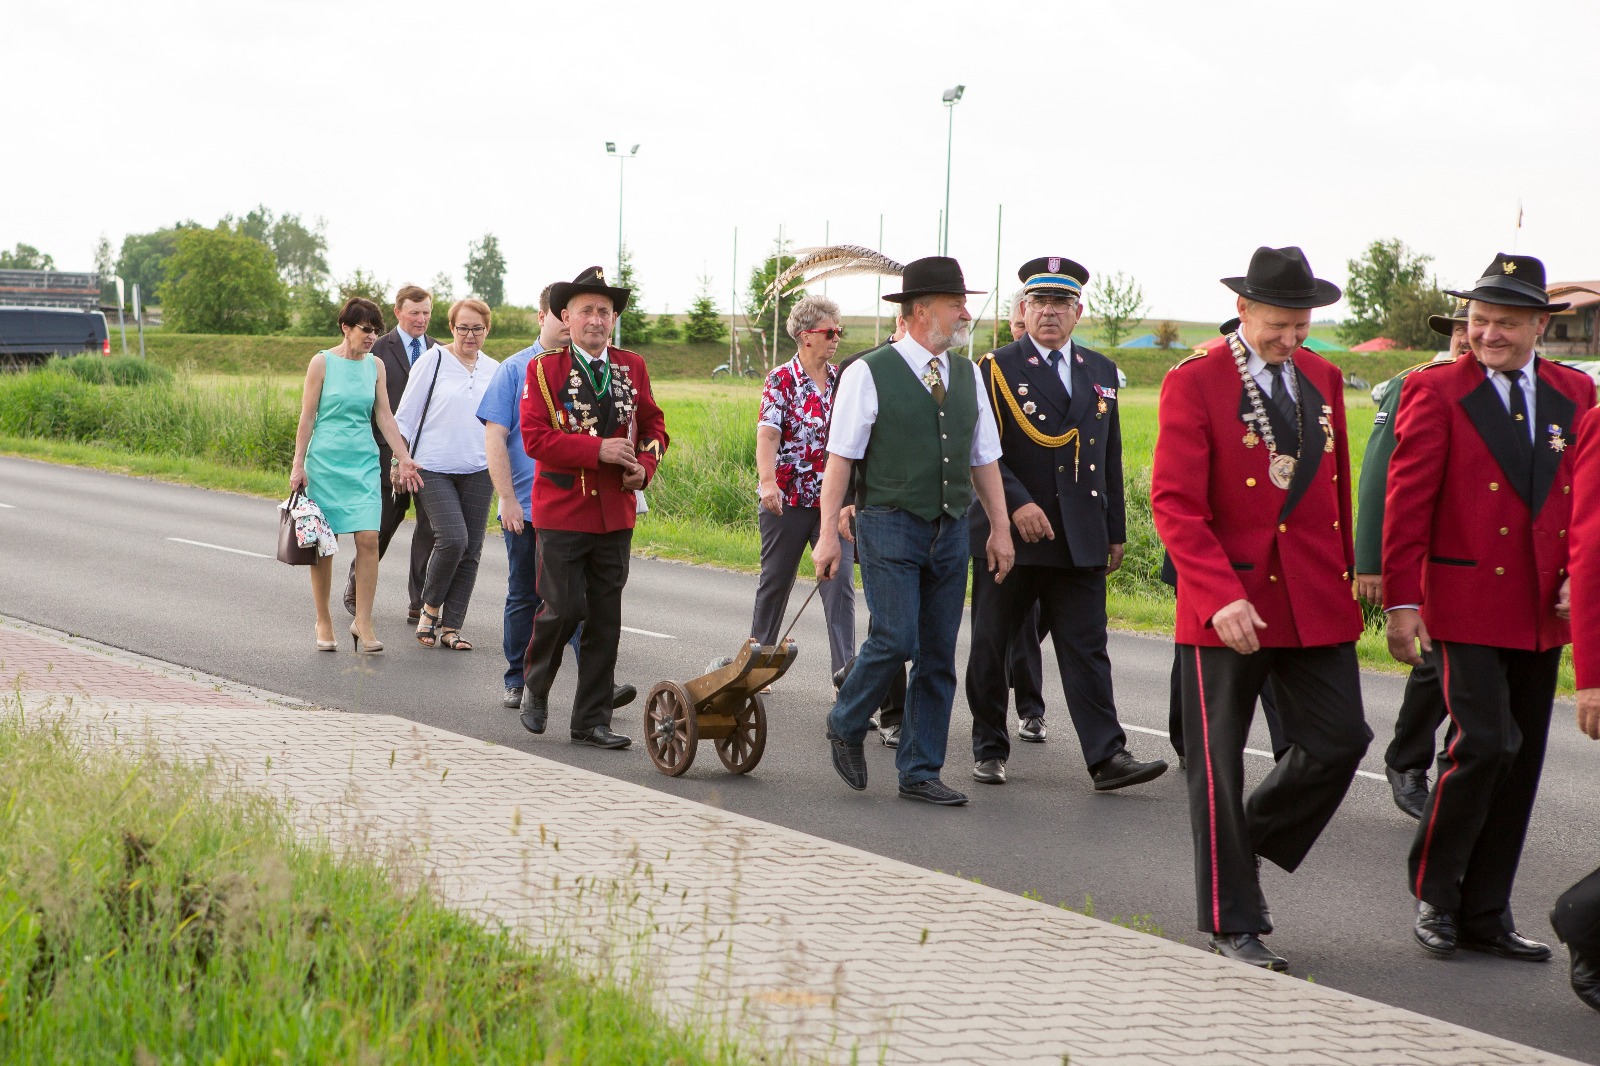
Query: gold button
[[1250, 481], [1494, 486], [1500, 571], [1282, 528], [1061, 470], [1565, 489], [1335, 525], [1345, 576], [1336, 477], [1272, 577], [594, 492], [1091, 440], [1562, 533], [1504, 531]]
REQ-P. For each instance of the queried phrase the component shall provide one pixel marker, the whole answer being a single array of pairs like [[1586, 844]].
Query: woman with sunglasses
[[791, 454], [336, 460], [439, 416]]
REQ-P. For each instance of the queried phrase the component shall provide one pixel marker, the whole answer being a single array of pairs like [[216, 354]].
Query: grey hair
[[908, 308], [1017, 299], [808, 312]]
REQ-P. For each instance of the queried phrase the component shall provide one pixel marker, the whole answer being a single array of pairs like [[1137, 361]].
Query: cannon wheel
[[742, 749], [670, 731]]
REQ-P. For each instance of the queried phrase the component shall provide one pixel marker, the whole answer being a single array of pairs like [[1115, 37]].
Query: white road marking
[[9, 506], [1248, 751], [649, 633], [219, 547]]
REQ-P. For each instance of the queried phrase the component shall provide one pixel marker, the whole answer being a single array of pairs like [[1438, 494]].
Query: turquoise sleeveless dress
[[342, 459]]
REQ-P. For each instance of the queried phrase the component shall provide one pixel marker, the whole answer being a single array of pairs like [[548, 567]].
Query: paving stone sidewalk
[[732, 921]]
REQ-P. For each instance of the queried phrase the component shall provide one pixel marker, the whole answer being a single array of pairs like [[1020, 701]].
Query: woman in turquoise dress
[[336, 460]]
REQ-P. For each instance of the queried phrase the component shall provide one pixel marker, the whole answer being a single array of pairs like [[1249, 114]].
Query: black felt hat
[[591, 280], [927, 277], [1446, 324], [1053, 273], [1282, 277], [1512, 281], [1228, 327]]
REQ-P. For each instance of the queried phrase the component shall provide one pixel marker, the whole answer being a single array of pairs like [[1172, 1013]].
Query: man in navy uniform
[[1061, 464]]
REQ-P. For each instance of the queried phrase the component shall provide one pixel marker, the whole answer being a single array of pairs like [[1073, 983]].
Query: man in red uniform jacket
[[1576, 916], [1475, 567], [592, 425], [1251, 493]]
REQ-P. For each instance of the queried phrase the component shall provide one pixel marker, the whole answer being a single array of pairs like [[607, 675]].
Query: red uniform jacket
[[1460, 537], [1584, 545], [562, 426], [1231, 533]]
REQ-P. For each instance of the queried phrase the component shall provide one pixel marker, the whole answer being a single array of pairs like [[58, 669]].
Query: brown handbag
[[289, 549]]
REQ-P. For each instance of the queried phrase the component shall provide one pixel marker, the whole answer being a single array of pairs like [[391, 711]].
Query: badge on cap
[[1055, 264]]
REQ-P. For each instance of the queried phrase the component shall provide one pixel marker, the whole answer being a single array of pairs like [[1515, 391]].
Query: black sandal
[[427, 628], [452, 639]]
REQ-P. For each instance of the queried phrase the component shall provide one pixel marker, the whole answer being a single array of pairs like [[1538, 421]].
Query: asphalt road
[[187, 575]]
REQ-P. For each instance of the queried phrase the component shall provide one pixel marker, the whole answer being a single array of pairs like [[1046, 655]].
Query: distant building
[[49, 288], [1572, 332]]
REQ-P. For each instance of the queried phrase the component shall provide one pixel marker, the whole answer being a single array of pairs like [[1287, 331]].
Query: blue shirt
[[502, 405]]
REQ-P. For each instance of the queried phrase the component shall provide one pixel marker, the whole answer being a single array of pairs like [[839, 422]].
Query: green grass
[[151, 913]]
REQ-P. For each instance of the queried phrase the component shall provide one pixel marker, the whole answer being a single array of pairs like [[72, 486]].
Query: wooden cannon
[[724, 705]]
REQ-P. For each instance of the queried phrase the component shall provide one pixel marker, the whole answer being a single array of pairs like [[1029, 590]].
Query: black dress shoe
[[601, 736], [1435, 930], [1512, 945], [535, 711], [849, 760], [1032, 730], [1586, 978], [933, 791], [1410, 789], [622, 695], [990, 771], [840, 674], [890, 735], [513, 697], [1122, 770], [1248, 948]]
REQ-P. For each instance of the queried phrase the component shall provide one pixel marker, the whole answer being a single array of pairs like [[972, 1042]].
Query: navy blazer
[[396, 372], [1084, 501]]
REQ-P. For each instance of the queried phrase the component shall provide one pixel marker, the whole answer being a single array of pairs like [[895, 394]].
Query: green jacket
[[1375, 477]]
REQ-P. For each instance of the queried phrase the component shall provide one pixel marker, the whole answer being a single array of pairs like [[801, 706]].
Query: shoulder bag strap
[[426, 400]]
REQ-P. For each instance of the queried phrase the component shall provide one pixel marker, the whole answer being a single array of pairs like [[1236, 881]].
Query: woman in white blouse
[[438, 415]]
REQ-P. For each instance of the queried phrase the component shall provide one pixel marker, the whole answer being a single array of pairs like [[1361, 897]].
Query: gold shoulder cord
[[555, 422], [997, 381]]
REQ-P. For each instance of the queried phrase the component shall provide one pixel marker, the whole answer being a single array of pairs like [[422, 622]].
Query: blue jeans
[[522, 601], [914, 574]]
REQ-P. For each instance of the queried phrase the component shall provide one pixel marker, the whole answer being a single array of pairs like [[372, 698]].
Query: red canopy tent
[[1376, 344]]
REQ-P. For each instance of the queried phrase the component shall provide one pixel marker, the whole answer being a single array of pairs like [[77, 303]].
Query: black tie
[[1519, 420], [1284, 404], [1055, 364]]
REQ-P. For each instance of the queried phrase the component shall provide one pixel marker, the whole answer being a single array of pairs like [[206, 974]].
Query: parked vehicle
[[31, 335]]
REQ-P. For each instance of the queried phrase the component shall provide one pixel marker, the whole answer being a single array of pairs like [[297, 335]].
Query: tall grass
[[150, 914]]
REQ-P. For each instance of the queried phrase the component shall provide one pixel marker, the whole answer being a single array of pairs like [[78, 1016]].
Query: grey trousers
[[783, 540], [458, 510]]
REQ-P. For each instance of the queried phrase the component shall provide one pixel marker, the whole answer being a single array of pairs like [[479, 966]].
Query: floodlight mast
[[951, 97], [611, 150]]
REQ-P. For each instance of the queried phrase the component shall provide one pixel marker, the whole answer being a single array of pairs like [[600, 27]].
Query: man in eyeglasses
[[1056, 405], [398, 349]]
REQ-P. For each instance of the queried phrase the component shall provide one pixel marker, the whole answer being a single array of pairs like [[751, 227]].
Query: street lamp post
[[951, 98], [622, 158]]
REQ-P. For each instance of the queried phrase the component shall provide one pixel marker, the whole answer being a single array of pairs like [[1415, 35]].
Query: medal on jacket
[[1280, 466], [1557, 441]]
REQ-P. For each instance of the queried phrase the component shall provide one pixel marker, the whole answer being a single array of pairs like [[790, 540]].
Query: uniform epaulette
[[548, 351], [986, 355], [1430, 364], [1188, 359], [1419, 366]]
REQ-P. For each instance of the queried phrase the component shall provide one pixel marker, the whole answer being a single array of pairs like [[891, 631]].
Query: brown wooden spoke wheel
[[670, 731], [741, 749]]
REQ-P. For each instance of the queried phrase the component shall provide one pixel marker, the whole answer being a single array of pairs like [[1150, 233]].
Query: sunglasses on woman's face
[[832, 334], [364, 328]]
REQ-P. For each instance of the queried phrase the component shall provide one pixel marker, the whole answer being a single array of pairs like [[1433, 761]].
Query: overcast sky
[[1163, 138]]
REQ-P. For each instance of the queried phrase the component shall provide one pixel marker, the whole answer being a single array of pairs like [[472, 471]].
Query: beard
[[956, 338]]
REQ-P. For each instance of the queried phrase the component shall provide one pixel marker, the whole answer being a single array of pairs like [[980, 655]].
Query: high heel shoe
[[327, 645], [372, 647]]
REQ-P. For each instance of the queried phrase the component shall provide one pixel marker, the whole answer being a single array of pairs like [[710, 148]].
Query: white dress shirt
[[855, 405], [1064, 367], [1529, 383]]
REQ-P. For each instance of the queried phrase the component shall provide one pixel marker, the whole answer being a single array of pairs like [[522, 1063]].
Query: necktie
[[1518, 406], [1284, 404], [1055, 364], [416, 349], [934, 381]]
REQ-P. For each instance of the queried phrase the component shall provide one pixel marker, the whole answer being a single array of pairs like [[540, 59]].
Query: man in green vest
[[912, 418]]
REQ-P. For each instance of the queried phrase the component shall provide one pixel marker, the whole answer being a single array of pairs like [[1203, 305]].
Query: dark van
[[30, 335]]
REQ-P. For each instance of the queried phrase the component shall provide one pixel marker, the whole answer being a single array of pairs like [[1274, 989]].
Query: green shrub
[[709, 472], [118, 370]]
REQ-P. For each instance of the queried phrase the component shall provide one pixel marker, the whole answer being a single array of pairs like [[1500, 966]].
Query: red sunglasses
[[832, 334]]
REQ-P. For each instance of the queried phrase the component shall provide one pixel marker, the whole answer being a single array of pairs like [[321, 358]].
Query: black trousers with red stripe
[[1465, 854], [1319, 703]]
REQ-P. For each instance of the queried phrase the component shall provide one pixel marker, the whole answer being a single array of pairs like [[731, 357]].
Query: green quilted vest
[[920, 456]]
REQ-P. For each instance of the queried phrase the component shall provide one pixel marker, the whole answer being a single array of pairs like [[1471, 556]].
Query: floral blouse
[[791, 404]]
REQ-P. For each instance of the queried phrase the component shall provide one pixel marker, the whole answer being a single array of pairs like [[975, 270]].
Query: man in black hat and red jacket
[[1060, 430], [591, 424], [1475, 570], [1251, 493]]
